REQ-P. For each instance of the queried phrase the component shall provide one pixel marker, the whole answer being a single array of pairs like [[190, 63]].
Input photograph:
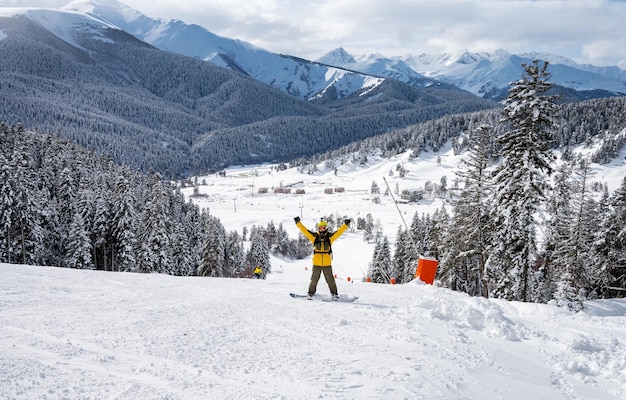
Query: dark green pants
[[328, 275]]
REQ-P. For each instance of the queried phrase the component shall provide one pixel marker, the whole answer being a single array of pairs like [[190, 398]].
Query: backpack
[[322, 243]]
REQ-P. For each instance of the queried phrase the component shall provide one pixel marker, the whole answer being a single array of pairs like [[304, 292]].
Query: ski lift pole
[[401, 217]]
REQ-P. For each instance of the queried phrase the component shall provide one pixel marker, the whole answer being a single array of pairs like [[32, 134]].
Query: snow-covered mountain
[[489, 74], [373, 64], [484, 74], [339, 74], [292, 75], [66, 25], [298, 77]]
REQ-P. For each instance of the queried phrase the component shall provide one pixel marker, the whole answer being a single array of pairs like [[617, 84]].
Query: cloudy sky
[[588, 31]]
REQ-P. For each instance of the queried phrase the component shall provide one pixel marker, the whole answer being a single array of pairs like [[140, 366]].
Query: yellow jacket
[[321, 255]]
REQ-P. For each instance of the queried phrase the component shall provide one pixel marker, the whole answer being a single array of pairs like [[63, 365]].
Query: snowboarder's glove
[[346, 221], [297, 219]]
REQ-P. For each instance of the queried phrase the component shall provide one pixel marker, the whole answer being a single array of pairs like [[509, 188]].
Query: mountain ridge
[[482, 80], [485, 74], [488, 74], [299, 78]]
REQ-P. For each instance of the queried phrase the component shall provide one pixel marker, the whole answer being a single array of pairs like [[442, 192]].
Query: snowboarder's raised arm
[[304, 230], [340, 231]]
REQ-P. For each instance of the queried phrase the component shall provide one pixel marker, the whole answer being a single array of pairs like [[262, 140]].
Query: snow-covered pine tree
[[281, 245], [181, 251], [381, 270], [610, 246], [258, 254], [79, 247], [234, 255], [196, 230], [439, 224], [50, 248], [26, 212], [519, 183], [368, 228], [124, 226], [420, 231], [8, 232], [154, 254], [375, 189], [59, 180], [47, 152], [404, 257], [83, 207], [66, 192], [573, 222], [269, 234], [213, 249], [102, 226], [560, 212], [181, 235], [468, 238]]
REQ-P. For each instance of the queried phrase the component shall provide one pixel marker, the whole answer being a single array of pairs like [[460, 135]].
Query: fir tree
[[234, 255], [258, 254], [420, 231], [102, 228], [368, 228], [468, 239], [8, 231], [438, 231], [575, 222], [281, 245], [520, 184], [560, 212], [611, 246], [404, 257], [154, 231], [124, 226], [79, 247], [381, 270], [214, 249], [26, 218], [374, 189]]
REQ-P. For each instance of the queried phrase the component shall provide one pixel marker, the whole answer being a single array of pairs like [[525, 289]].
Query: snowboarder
[[322, 254], [258, 271]]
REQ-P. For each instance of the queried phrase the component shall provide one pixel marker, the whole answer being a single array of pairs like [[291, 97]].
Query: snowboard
[[344, 298]]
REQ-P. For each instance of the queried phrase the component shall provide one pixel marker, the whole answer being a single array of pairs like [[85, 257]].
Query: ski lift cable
[[401, 217]]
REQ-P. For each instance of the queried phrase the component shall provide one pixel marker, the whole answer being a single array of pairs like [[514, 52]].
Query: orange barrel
[[393, 281], [426, 269]]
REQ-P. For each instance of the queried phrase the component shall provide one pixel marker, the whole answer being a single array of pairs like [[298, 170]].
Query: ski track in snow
[[69, 334]]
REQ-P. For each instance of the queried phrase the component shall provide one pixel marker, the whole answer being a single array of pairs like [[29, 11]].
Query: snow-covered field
[[74, 334]]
